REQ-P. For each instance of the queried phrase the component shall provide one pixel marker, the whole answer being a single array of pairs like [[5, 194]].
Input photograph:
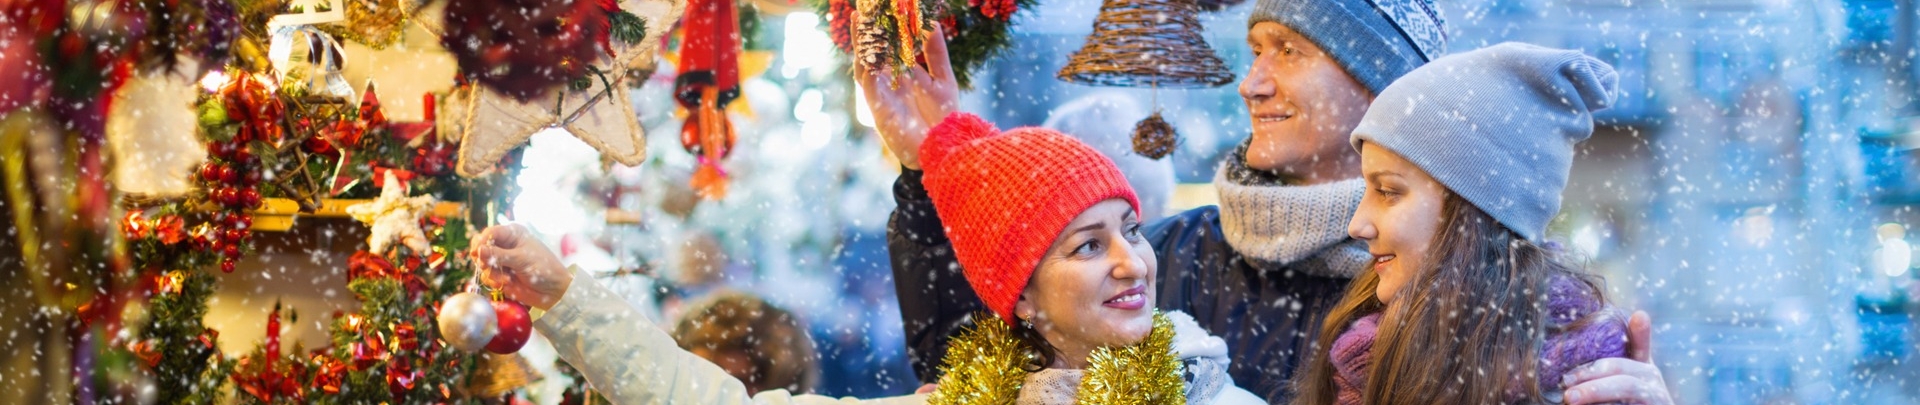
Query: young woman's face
[[1398, 217], [1094, 288], [1303, 106]]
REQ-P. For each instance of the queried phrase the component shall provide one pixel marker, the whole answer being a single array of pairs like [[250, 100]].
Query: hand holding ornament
[[512, 260], [908, 103]]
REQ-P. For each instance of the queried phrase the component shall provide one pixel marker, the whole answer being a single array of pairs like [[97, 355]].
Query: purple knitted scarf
[[1567, 300]]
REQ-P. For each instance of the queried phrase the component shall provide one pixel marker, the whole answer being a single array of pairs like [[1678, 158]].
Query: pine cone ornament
[[871, 42]]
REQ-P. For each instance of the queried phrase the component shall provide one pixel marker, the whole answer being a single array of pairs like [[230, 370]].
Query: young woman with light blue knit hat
[[1465, 302]]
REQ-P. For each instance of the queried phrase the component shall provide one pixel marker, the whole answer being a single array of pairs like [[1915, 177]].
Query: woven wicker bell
[[499, 374], [1147, 43]]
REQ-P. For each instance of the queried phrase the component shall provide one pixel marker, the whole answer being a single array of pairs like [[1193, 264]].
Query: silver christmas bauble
[[468, 322]]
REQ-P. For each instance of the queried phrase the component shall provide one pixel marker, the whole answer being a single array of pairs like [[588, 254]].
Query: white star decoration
[[394, 217], [489, 124]]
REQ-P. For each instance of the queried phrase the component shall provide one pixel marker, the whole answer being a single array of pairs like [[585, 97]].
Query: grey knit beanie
[[1496, 125], [1376, 41]]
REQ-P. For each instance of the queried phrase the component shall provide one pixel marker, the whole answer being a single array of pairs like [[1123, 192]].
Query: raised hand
[[907, 103]]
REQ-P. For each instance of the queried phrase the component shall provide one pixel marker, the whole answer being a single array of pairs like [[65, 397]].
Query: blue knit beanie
[[1377, 41], [1497, 126]]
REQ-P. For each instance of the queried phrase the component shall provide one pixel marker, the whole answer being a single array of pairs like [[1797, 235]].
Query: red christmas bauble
[[515, 327], [227, 265]]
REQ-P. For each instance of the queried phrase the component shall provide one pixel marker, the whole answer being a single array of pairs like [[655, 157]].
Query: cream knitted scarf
[[1302, 228]]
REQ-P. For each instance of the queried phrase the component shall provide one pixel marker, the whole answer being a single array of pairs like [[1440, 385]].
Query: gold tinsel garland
[[987, 365], [1142, 373]]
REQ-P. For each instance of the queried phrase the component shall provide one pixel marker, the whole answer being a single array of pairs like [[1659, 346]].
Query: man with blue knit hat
[[1263, 268]]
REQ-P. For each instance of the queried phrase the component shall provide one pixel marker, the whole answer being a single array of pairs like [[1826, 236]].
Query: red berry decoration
[[210, 171], [515, 327], [230, 196], [249, 197], [226, 265]]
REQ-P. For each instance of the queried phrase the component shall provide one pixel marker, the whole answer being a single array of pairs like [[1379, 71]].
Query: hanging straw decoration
[[1147, 43]]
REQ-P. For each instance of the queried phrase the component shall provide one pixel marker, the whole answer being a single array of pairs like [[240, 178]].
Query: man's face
[[1303, 106]]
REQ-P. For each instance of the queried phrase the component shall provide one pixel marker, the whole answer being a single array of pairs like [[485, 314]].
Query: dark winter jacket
[[1267, 317]]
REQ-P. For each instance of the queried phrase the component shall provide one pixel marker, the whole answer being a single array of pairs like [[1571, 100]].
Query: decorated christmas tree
[[221, 120]]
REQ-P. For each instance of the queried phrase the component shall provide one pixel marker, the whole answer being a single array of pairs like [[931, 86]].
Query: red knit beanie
[[1004, 197]]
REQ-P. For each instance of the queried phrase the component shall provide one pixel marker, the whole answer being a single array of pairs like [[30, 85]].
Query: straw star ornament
[[491, 124], [395, 217]]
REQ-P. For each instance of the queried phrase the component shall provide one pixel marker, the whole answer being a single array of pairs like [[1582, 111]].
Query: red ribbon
[[371, 266], [134, 226], [267, 381], [144, 351], [364, 264], [328, 374], [368, 351]]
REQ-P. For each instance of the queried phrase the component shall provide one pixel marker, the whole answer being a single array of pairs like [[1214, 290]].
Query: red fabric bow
[[257, 110]]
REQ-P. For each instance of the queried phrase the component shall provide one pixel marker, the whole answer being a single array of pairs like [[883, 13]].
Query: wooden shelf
[[278, 214]]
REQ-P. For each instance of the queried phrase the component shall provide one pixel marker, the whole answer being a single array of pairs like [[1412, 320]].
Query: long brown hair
[[1468, 330]]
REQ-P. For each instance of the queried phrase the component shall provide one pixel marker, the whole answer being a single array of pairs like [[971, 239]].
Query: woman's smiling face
[[1095, 286], [1398, 217]]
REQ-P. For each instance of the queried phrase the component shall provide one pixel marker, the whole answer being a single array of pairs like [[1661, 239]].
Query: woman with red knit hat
[[1046, 231]]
